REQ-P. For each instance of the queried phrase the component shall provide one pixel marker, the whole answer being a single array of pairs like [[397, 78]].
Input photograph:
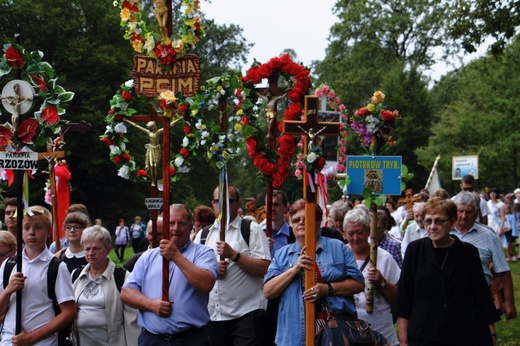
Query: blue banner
[[381, 174]]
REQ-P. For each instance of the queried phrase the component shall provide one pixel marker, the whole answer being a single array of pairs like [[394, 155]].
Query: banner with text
[[381, 174]]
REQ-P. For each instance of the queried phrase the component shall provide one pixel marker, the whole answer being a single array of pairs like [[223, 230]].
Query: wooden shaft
[[166, 203], [373, 255], [310, 275], [223, 220]]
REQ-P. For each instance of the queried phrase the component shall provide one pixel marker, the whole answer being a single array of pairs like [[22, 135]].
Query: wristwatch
[[331, 289], [237, 256], [383, 284]]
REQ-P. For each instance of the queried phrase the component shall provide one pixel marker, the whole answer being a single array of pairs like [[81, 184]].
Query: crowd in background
[[442, 272]]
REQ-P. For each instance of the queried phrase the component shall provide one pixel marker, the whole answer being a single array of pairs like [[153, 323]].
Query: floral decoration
[[373, 124], [166, 50], [54, 98], [115, 133], [334, 103], [274, 165]]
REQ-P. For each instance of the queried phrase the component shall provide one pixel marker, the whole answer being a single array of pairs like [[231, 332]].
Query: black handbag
[[345, 330]]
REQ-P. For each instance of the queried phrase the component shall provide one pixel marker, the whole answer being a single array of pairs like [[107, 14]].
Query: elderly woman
[[102, 318], [442, 297], [384, 276], [340, 278], [73, 255]]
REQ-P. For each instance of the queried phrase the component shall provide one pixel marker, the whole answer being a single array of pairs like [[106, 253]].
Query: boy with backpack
[[39, 322]]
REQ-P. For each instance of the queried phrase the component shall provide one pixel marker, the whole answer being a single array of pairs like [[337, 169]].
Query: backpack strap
[[52, 275], [119, 277], [245, 229], [75, 273], [204, 234], [9, 265]]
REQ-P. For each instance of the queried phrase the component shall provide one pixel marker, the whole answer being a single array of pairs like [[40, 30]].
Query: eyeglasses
[[469, 189], [437, 222], [75, 227], [298, 219]]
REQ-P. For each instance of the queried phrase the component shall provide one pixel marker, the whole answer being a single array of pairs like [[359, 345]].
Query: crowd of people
[[437, 259]]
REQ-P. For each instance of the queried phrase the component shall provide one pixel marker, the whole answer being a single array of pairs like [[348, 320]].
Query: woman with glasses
[[73, 255], [102, 318], [442, 296], [338, 278]]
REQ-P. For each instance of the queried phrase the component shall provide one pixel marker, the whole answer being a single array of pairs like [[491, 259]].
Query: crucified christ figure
[[161, 14], [153, 149], [312, 135], [270, 113]]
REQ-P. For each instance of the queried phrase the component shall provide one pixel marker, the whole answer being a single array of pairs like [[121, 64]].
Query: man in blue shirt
[[192, 273]]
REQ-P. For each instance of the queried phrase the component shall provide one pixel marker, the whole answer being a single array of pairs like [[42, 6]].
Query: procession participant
[[392, 246], [237, 305], [442, 297], [73, 255], [384, 277], [416, 230], [10, 204], [181, 320], [340, 278], [39, 323], [488, 244]]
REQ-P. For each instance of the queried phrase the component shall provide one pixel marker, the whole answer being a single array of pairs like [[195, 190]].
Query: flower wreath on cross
[[315, 154], [115, 133], [274, 165], [166, 50], [43, 128]]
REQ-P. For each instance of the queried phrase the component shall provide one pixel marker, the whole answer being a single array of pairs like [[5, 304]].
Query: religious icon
[[373, 180], [161, 14], [270, 113], [153, 149], [312, 135]]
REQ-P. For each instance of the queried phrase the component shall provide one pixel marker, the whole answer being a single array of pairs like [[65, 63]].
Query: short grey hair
[[97, 233], [418, 205], [466, 197], [357, 216]]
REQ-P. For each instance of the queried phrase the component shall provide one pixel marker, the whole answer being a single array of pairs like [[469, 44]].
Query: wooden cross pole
[[271, 95], [224, 188], [310, 127]]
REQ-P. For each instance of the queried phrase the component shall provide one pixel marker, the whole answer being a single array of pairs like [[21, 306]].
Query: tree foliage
[[480, 118]]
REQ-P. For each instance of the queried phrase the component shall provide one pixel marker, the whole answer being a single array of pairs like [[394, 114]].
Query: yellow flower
[[219, 88], [167, 41], [240, 112], [202, 126], [378, 97], [238, 127], [168, 95], [137, 45], [125, 14], [370, 107], [178, 45], [194, 112]]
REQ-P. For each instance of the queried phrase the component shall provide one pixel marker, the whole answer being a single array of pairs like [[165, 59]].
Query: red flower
[[39, 82], [184, 152], [27, 129], [14, 58], [130, 6], [165, 53], [111, 111], [127, 95], [173, 170], [5, 136], [50, 115], [362, 112], [142, 173], [118, 117], [107, 140], [245, 120], [387, 115], [126, 156], [116, 159], [186, 129], [162, 104], [183, 108]]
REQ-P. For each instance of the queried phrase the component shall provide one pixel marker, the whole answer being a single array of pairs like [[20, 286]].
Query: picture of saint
[[373, 180]]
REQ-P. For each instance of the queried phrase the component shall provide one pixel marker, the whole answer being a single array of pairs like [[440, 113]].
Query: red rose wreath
[[276, 166]]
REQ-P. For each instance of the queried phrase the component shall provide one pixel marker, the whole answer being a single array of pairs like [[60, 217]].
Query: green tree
[[480, 118]]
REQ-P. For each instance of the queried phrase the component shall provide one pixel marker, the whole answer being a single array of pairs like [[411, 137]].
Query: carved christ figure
[[270, 113], [312, 135], [153, 149], [161, 15]]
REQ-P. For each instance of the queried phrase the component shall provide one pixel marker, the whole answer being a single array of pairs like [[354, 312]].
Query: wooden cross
[[271, 95], [310, 127]]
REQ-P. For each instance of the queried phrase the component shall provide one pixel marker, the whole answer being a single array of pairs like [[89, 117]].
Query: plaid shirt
[[394, 247]]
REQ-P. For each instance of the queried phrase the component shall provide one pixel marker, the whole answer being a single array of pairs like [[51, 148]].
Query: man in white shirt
[[237, 304]]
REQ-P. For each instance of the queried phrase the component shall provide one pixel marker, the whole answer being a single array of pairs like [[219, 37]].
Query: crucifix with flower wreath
[[310, 128], [20, 137]]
